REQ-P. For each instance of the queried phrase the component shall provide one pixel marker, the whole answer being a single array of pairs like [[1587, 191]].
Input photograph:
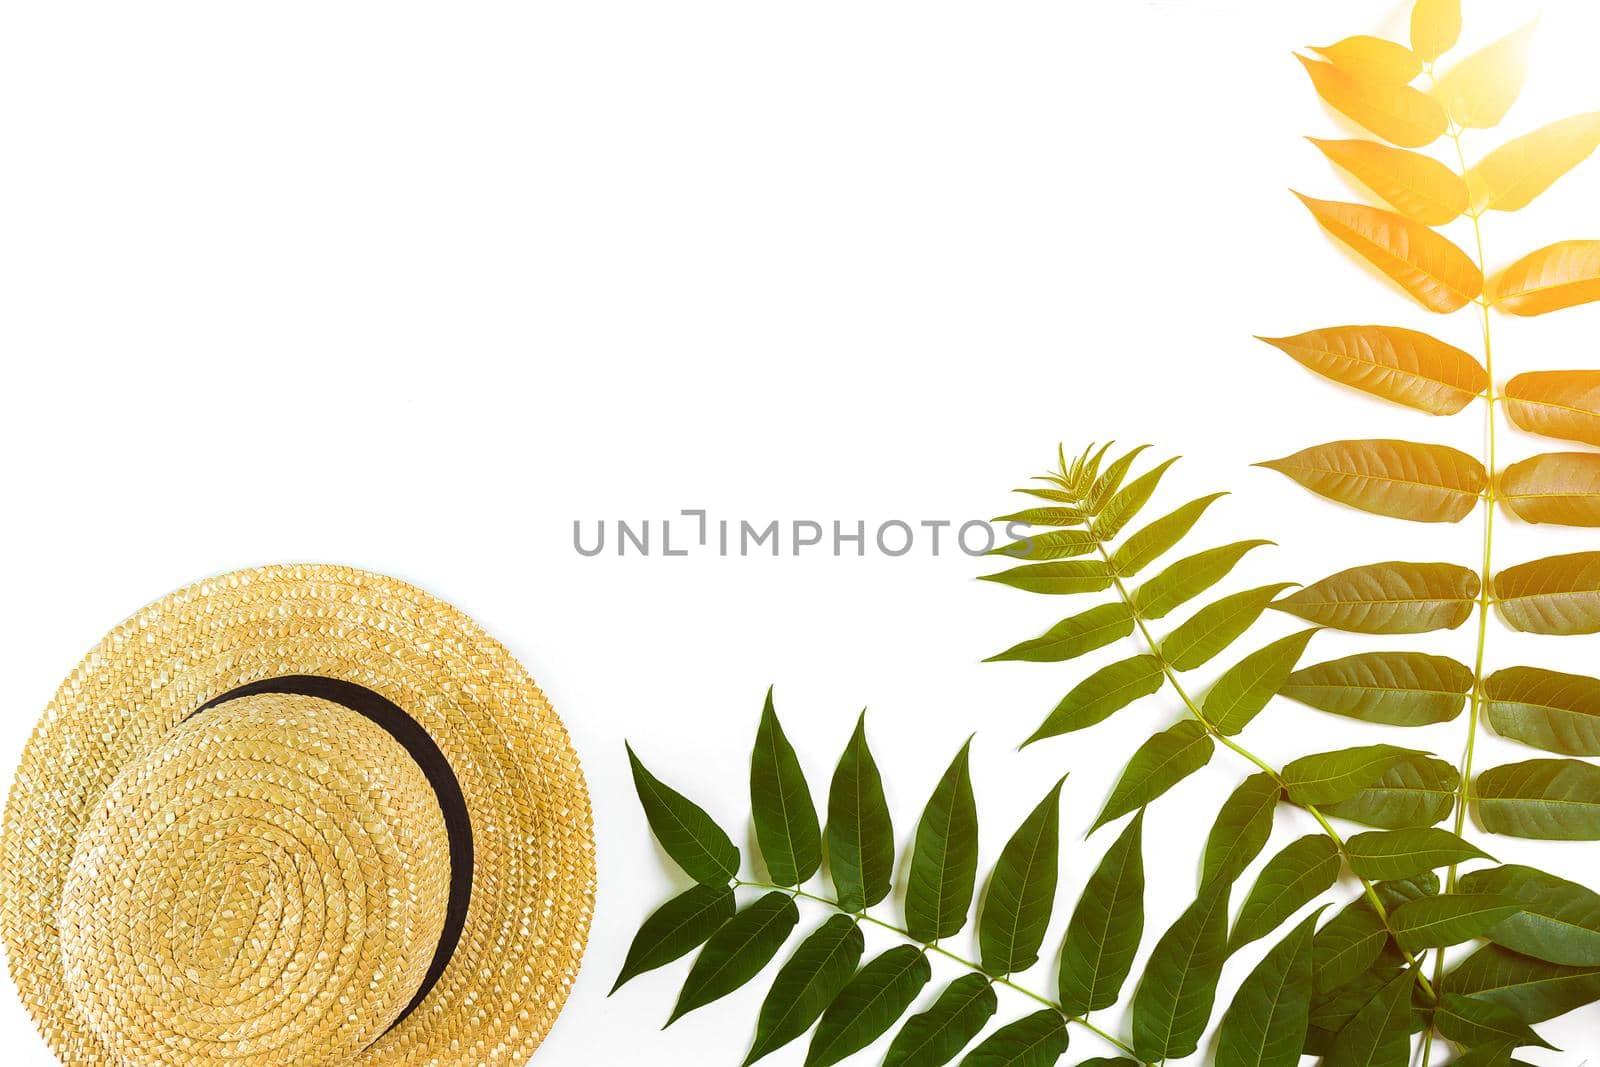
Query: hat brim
[[533, 874]]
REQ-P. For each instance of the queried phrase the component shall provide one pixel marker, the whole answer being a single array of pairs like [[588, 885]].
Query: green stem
[[976, 968]]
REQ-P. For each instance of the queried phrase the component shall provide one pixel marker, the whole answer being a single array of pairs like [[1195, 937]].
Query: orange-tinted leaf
[[1558, 487], [1428, 266], [1435, 27], [1373, 59], [1402, 365], [1555, 595], [1403, 479], [1398, 113], [1562, 275], [1417, 186], [1513, 174], [1388, 598], [1557, 403], [1478, 91]]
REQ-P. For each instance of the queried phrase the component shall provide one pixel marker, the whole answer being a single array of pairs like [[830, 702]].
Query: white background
[[412, 287]]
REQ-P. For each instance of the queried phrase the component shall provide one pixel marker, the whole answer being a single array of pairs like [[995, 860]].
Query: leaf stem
[[933, 946]]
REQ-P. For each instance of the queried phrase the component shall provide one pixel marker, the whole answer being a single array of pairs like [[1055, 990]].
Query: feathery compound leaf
[[934, 1037], [1554, 595], [1022, 891], [676, 929], [737, 952], [1404, 366], [1562, 275], [1436, 273], [1265, 1026], [1106, 926], [1106, 691], [1070, 638], [1380, 1033], [1557, 921], [1347, 946], [1189, 577], [1472, 1022], [1545, 799], [1398, 113], [1163, 761], [1373, 59], [1417, 186], [686, 832], [1246, 687], [1558, 487], [1174, 999], [1415, 791], [1058, 579], [1532, 989], [1478, 91], [1546, 709], [1395, 688], [869, 1005], [1145, 546], [1401, 479], [944, 863], [1241, 830], [1107, 484], [807, 984], [860, 834], [1388, 598], [1289, 881], [1435, 27], [1214, 627], [1036, 1040], [1509, 178], [1387, 854], [1556, 403], [780, 800], [1329, 777], [1439, 922], [1128, 501]]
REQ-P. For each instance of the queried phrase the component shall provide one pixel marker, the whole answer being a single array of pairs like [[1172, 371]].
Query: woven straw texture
[[264, 882]]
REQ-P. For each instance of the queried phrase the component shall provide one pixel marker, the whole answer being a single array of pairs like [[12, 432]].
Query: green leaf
[[737, 952], [1057, 544], [1394, 688], [1388, 598], [1174, 999], [1245, 688], [1122, 507], [1107, 484], [1150, 543], [807, 984], [1102, 694], [1559, 920], [944, 862], [1289, 881], [1547, 799], [860, 835], [676, 929], [1417, 790], [1109, 1061], [1330, 1011], [1063, 516], [1070, 638], [780, 800], [1160, 763], [1036, 1040], [686, 832], [1059, 579], [1496, 1055], [1477, 1022], [1347, 946], [1022, 891], [869, 1005], [1382, 854], [1241, 830], [1265, 1026], [1556, 595], [1531, 989], [1397, 891], [1106, 926], [1380, 1033], [1189, 577], [1439, 922], [1214, 627], [1329, 777], [934, 1037], [1547, 709]]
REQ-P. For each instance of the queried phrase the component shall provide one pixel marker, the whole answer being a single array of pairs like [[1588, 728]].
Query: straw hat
[[297, 815]]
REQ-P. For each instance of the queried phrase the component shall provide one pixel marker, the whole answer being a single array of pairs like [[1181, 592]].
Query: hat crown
[[266, 886]]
